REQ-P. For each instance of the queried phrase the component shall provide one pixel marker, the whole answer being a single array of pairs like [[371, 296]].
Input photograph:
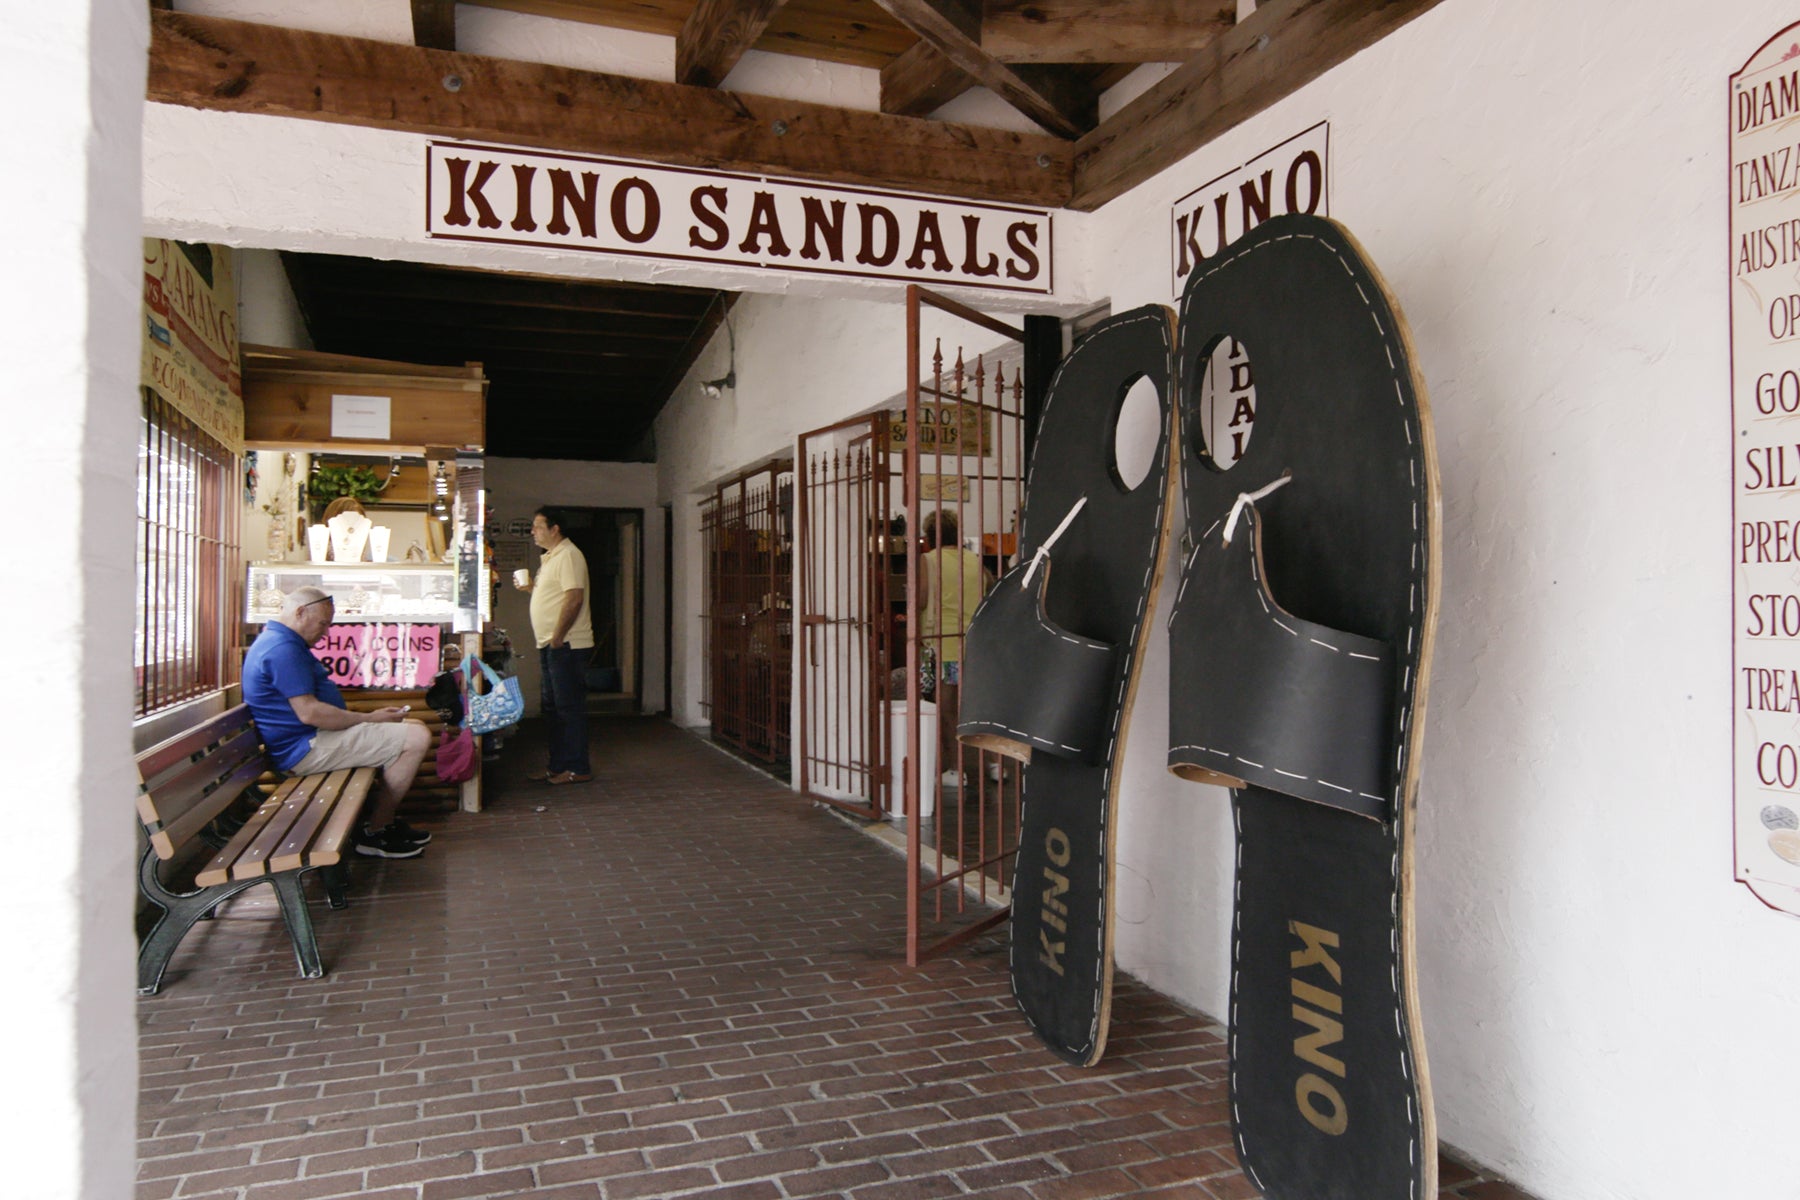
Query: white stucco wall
[[1543, 186], [69, 332], [800, 364], [517, 486]]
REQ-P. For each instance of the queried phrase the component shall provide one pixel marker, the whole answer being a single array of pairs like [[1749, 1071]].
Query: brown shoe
[[567, 777]]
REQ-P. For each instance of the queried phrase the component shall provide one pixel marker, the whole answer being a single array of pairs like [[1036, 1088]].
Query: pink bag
[[456, 755]]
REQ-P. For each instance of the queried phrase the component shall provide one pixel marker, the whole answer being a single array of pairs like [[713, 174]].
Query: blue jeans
[[562, 670]]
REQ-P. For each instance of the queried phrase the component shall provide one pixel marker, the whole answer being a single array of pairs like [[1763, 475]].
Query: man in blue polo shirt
[[307, 729]]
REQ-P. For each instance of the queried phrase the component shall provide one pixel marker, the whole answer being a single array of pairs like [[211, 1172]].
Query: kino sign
[[1289, 178], [479, 193]]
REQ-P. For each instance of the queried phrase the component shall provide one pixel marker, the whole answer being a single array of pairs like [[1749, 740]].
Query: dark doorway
[[611, 539]]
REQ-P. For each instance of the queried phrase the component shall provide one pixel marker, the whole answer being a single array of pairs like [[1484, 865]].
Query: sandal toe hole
[[1221, 409], [1136, 432]]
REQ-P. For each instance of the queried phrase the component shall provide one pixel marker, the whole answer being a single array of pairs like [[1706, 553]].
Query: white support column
[[69, 336]]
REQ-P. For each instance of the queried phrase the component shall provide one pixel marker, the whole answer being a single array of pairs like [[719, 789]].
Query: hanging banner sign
[[1764, 202], [191, 336], [478, 193], [401, 657], [1290, 178]]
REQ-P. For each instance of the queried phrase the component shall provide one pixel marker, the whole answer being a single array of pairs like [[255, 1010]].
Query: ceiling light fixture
[[714, 388]]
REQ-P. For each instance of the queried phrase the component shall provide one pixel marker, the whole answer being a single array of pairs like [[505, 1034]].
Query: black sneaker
[[410, 833], [384, 843]]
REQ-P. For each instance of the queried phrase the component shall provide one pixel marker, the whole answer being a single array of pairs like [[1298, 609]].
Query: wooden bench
[[187, 787]]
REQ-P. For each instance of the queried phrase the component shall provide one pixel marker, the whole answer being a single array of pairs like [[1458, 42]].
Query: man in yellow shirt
[[565, 639]]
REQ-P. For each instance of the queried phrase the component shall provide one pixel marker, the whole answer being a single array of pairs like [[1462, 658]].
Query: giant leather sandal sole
[[1051, 665], [1300, 647]]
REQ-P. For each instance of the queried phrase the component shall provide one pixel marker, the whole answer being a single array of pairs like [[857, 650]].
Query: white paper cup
[[521, 578]]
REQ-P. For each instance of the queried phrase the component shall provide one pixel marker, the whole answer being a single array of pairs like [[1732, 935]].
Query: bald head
[[308, 612], [298, 599]]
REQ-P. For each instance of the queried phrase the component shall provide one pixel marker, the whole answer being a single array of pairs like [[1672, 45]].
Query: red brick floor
[[677, 980]]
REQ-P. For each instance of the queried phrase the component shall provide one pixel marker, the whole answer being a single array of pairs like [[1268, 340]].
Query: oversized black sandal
[[1300, 647], [1051, 665]]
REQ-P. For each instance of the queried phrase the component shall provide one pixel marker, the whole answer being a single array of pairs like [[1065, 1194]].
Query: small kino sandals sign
[[476, 193], [1765, 410]]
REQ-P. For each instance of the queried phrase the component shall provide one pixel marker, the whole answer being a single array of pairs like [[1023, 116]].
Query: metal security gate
[[876, 705], [746, 527], [843, 595], [962, 473]]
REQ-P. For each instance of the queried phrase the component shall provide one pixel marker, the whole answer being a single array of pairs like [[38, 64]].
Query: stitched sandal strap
[[1030, 686], [1275, 701]]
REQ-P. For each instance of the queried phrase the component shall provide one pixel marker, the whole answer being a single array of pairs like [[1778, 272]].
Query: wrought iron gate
[[843, 598], [746, 527], [964, 457], [872, 677]]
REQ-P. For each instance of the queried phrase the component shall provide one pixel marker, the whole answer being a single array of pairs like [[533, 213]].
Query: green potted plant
[[329, 483]]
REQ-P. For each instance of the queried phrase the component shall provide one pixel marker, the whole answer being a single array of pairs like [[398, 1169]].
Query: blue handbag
[[503, 704]]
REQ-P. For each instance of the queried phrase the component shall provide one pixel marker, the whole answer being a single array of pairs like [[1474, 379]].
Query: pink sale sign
[[380, 656]]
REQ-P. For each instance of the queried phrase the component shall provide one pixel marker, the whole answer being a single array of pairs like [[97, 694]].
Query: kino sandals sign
[[1764, 201], [478, 193]]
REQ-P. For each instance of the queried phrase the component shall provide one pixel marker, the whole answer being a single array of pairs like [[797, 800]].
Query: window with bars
[[189, 598]]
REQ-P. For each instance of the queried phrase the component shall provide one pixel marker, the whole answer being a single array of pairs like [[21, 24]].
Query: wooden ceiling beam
[[552, 330], [434, 24], [715, 35], [238, 66], [921, 81], [1277, 50], [1102, 31], [857, 35], [953, 29]]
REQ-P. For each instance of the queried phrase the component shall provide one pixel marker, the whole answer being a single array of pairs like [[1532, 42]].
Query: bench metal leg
[[180, 910], [292, 896], [336, 876]]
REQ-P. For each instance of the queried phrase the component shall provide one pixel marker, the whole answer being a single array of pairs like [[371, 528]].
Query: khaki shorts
[[370, 745]]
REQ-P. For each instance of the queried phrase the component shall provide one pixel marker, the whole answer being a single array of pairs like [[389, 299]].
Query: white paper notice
[[1765, 437], [364, 418]]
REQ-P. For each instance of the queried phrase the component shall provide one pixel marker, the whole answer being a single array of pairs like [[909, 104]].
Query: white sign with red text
[[1764, 203], [1292, 177], [480, 193]]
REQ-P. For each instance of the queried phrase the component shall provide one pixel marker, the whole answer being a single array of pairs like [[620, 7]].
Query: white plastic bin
[[928, 759]]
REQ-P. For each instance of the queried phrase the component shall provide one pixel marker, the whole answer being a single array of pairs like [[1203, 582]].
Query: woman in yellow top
[[952, 583]]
